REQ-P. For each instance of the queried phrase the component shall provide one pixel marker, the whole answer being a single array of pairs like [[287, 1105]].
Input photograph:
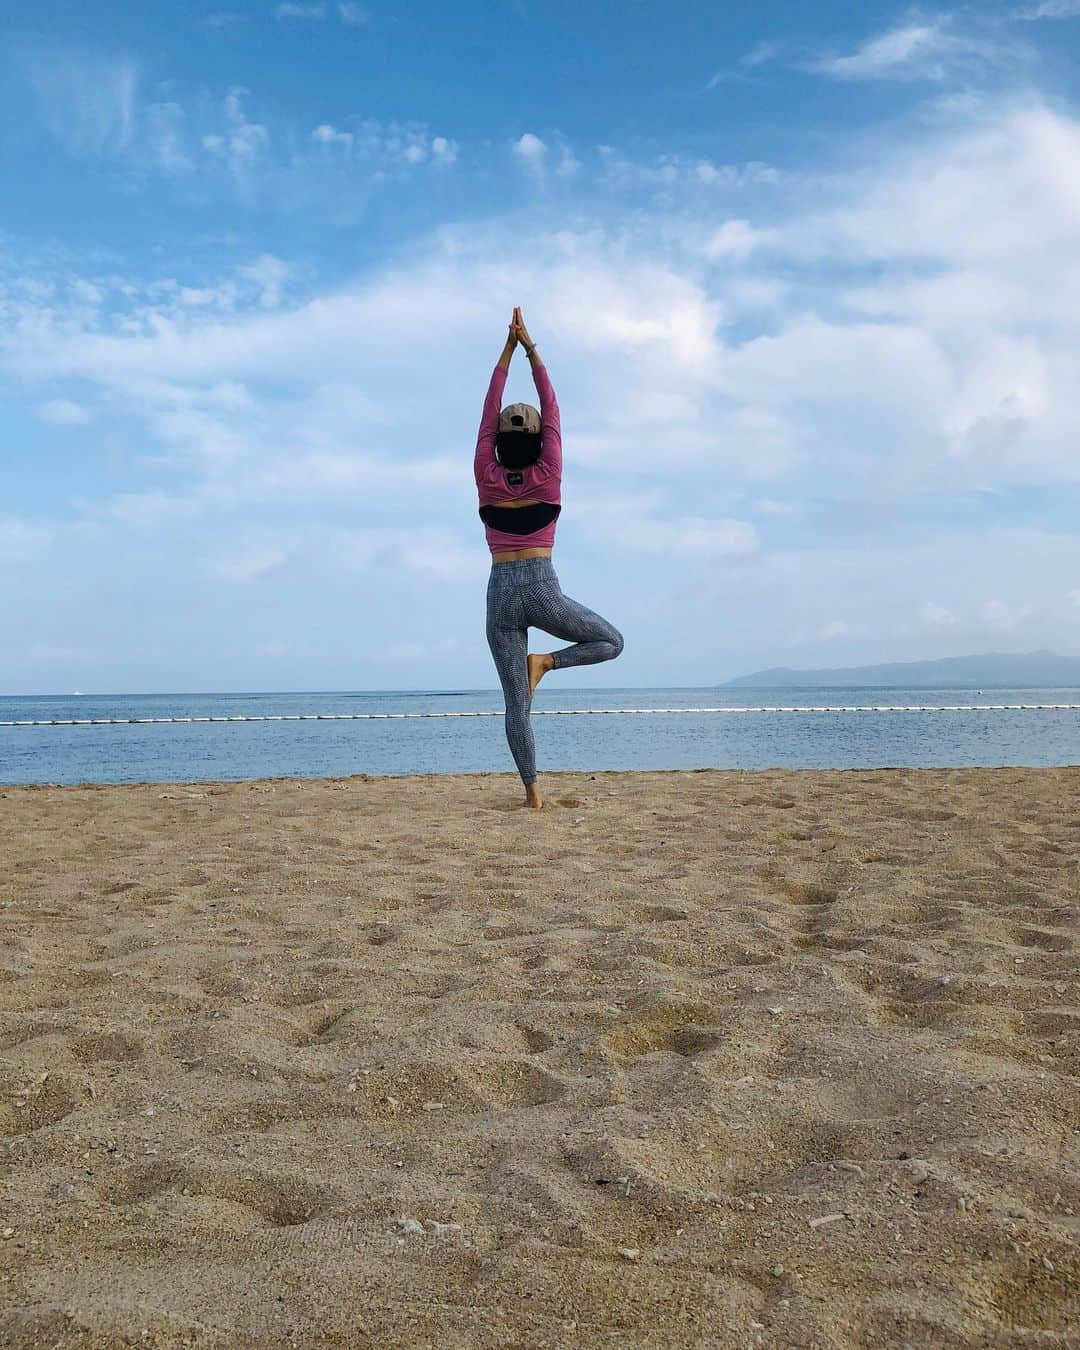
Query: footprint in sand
[[809, 892], [281, 1201], [27, 1107], [107, 1045], [680, 1029]]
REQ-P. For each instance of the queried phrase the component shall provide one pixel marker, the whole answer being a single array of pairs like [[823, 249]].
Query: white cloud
[[144, 512], [772, 506], [758, 55], [568, 164], [732, 239], [875, 341], [530, 148], [87, 291], [915, 366], [668, 172], [885, 55], [443, 151], [241, 145], [197, 295], [688, 537], [93, 107], [427, 549], [63, 412], [1051, 9], [400, 146], [931, 50], [87, 101], [876, 585], [269, 275], [937, 616], [254, 560], [325, 134], [292, 10], [22, 541], [166, 135], [536, 154], [1005, 618], [353, 14], [1010, 167], [1004, 391], [406, 144]]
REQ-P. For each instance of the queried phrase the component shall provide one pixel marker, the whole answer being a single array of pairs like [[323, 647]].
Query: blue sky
[[807, 281]]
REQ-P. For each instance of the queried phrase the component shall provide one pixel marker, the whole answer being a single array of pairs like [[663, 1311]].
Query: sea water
[[186, 752]]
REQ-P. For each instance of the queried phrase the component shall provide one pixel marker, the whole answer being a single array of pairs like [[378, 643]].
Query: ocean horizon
[[430, 741]]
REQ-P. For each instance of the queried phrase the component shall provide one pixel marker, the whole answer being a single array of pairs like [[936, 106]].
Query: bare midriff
[[515, 555]]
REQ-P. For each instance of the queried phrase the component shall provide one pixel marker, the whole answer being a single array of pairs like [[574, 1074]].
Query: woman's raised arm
[[508, 349], [489, 418], [550, 425]]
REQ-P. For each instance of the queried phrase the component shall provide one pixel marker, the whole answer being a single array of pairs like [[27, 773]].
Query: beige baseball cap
[[519, 417]]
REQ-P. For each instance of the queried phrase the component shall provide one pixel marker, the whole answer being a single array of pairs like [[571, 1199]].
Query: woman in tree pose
[[518, 469]]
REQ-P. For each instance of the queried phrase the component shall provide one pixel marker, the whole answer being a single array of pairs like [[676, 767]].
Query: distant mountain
[[994, 670]]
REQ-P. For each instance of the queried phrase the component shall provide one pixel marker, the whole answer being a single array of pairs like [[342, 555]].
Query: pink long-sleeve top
[[541, 481]]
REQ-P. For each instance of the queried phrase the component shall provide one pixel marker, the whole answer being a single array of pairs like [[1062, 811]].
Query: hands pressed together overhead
[[518, 332]]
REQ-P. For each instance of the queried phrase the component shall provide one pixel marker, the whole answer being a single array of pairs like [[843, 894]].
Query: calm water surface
[[186, 753]]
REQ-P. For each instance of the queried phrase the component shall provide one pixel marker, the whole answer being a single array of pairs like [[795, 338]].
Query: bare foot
[[532, 796], [539, 665]]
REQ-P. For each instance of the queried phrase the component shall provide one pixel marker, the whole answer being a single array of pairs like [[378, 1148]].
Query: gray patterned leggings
[[526, 594]]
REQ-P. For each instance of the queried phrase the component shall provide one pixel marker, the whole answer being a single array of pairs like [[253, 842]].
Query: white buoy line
[[546, 712]]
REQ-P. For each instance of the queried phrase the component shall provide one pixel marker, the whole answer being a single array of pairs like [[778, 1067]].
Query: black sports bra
[[519, 519]]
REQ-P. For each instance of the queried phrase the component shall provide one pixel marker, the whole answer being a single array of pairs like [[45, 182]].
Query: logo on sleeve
[[515, 478]]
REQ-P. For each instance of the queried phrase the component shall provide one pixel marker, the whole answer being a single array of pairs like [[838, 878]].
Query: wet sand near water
[[685, 1059]]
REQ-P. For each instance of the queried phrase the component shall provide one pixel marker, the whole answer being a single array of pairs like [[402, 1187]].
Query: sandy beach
[[685, 1059]]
